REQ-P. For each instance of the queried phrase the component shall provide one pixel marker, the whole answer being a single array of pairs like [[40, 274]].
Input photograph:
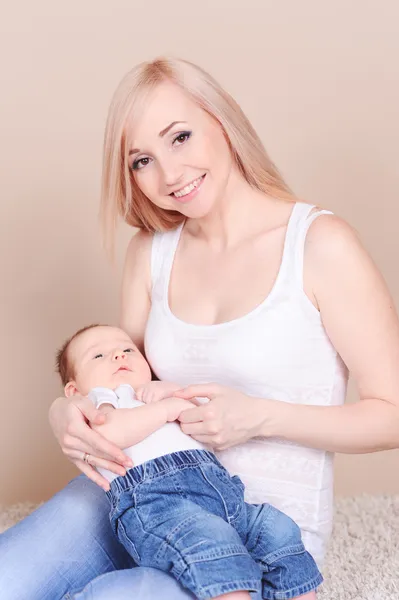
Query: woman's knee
[[73, 529], [78, 510], [82, 501], [139, 582], [81, 508]]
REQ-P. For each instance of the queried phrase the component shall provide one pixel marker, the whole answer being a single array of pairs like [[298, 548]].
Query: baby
[[178, 509]]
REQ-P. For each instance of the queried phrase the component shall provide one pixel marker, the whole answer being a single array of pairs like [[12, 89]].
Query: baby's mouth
[[123, 369]]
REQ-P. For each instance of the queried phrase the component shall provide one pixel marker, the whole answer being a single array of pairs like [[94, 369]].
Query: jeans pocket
[[126, 540], [238, 482], [231, 495]]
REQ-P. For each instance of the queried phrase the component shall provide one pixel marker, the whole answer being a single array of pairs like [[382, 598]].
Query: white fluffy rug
[[363, 559]]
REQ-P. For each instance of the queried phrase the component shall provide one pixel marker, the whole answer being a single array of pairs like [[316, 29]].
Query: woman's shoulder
[[138, 257], [335, 258], [330, 237], [139, 246], [146, 249]]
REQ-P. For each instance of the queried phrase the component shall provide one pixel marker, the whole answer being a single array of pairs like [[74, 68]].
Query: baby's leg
[[234, 596], [204, 553], [274, 541], [246, 596]]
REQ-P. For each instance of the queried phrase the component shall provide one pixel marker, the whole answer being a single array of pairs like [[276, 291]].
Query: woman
[[269, 299]]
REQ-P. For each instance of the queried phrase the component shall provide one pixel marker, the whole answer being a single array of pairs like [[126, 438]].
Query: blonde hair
[[120, 194]]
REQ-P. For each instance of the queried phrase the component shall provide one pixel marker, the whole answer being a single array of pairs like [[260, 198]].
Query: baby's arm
[[154, 391], [128, 426]]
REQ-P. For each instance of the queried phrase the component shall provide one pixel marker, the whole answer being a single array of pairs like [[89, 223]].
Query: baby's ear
[[70, 389]]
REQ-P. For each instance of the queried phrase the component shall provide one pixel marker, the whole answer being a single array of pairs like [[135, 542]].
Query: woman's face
[[178, 154]]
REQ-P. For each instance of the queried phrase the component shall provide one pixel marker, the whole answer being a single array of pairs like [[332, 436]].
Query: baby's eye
[[98, 356], [129, 350]]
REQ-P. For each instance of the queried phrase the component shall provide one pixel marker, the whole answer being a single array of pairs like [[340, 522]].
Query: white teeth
[[188, 188]]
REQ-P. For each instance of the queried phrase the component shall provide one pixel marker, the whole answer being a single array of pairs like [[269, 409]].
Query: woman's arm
[[359, 316], [71, 418], [135, 301]]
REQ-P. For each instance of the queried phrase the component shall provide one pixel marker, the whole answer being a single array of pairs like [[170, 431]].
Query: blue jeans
[[67, 546], [66, 550], [184, 514]]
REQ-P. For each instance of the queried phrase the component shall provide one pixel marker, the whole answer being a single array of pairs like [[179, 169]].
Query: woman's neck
[[239, 214]]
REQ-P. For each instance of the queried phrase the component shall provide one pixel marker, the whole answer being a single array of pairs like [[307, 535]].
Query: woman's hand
[[229, 418], [70, 420]]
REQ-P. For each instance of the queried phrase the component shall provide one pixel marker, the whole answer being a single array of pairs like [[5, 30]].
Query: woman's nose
[[171, 173]]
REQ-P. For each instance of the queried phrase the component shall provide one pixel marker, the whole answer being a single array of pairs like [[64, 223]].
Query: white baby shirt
[[169, 438]]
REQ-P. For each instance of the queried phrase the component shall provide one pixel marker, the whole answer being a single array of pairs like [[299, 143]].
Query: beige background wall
[[318, 79]]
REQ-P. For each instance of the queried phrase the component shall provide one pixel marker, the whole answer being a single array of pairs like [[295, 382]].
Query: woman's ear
[[70, 389]]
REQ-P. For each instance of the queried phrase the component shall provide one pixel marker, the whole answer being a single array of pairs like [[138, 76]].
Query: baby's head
[[100, 355]]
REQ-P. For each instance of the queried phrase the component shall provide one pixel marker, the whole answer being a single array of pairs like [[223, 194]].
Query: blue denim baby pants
[[184, 514]]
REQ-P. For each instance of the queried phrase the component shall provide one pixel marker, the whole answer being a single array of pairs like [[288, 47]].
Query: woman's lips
[[190, 195]]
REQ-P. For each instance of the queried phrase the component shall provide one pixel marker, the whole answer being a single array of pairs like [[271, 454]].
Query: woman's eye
[[140, 163], [98, 356], [182, 137]]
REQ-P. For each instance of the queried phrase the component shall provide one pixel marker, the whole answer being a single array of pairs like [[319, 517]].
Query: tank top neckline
[[262, 305]]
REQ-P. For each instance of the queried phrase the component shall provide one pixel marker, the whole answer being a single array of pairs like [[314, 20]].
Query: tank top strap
[[162, 252], [300, 222]]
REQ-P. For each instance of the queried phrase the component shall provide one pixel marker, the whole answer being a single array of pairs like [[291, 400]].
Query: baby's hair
[[63, 364]]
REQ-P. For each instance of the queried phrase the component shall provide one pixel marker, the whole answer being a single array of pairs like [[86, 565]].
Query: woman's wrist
[[269, 416], [53, 413], [368, 425]]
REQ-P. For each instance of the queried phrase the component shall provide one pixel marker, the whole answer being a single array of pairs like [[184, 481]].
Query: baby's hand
[[175, 406], [154, 391]]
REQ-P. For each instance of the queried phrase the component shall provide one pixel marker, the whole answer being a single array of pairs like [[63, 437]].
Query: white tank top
[[280, 350]]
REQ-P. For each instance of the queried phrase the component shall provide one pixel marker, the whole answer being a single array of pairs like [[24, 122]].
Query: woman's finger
[[75, 447], [198, 428], [192, 415], [204, 439], [89, 411], [105, 449], [94, 443], [207, 390], [95, 462], [197, 401], [92, 474], [209, 440]]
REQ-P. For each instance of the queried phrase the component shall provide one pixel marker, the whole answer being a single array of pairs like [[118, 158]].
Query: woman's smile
[[189, 191]]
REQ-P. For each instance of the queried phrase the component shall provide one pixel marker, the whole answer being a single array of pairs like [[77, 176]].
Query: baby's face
[[106, 357]]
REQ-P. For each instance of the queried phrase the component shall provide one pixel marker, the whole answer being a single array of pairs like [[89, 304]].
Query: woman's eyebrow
[[165, 131], [161, 134]]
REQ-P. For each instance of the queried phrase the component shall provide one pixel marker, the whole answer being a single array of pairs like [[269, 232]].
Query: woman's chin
[[196, 210]]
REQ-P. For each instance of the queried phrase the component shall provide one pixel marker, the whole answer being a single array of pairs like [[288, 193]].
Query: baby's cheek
[[146, 373]]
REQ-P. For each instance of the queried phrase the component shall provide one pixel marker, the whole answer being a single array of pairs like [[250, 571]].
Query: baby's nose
[[119, 354]]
